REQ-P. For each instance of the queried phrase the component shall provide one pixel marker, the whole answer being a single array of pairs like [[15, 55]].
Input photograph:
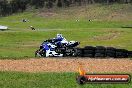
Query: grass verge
[[48, 80]]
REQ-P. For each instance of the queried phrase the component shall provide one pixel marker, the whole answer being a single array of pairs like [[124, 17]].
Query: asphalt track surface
[[90, 65]]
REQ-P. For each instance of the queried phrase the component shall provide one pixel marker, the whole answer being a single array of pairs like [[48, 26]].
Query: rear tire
[[75, 53], [80, 52]]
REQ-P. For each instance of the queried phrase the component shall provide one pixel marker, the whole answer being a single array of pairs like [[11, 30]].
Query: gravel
[[67, 65]]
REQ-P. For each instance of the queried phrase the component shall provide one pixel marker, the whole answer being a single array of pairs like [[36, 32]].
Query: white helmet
[[59, 36]]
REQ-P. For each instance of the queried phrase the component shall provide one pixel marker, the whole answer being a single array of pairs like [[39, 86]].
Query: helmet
[[59, 36]]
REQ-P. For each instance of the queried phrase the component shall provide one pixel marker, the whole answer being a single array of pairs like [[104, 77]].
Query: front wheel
[[40, 53]]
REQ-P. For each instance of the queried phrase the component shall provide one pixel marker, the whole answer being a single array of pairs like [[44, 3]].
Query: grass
[[48, 80], [14, 22], [20, 42], [23, 44]]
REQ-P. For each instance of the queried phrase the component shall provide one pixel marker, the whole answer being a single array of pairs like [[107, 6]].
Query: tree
[[67, 3], [49, 4], [4, 8], [127, 1], [59, 3], [22, 4], [18, 5], [14, 6], [38, 3]]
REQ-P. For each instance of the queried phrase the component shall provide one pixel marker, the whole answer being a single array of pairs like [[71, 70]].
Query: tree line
[[8, 7]]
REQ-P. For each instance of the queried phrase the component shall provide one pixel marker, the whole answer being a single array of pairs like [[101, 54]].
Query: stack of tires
[[101, 52], [89, 51], [130, 54], [121, 53], [110, 52]]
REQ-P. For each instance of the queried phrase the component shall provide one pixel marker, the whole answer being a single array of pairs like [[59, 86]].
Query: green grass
[[48, 80], [14, 23], [23, 44], [19, 41]]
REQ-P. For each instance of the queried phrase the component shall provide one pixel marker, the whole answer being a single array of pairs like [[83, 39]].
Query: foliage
[[13, 6]]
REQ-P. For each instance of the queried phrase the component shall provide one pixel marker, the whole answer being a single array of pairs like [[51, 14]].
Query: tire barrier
[[102, 52]]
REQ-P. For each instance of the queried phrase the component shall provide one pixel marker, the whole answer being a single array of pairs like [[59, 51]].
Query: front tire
[[40, 53]]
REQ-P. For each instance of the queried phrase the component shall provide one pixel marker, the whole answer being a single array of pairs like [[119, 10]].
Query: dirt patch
[[67, 65], [47, 14], [109, 35]]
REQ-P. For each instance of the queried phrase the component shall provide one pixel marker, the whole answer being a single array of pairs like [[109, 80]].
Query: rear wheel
[[70, 52], [80, 52], [74, 52]]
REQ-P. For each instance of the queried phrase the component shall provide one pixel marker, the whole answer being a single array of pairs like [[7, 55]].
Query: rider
[[60, 40]]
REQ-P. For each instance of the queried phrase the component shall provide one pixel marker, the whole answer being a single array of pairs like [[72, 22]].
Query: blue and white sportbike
[[57, 47]]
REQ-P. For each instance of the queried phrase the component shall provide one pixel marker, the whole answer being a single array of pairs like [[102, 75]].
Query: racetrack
[[67, 65]]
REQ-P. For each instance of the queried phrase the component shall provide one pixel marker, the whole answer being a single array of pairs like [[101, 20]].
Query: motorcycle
[[49, 48]]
